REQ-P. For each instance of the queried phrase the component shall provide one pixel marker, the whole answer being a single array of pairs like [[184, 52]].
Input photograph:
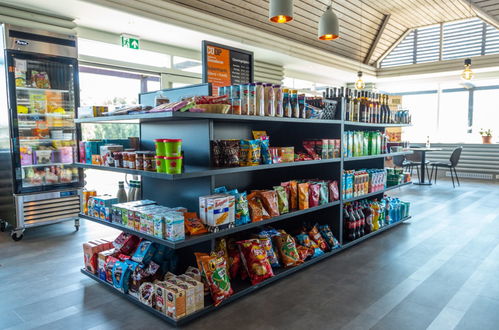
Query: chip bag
[[255, 207], [303, 198], [304, 252], [198, 256], [242, 215], [282, 199], [255, 260], [249, 154], [328, 236], [265, 150], [234, 258], [266, 243], [193, 225], [313, 194], [287, 249], [221, 251], [217, 278], [315, 235], [334, 194], [269, 201], [304, 240], [323, 193]]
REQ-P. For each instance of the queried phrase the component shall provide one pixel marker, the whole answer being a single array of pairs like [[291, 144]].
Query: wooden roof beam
[[377, 39], [492, 20]]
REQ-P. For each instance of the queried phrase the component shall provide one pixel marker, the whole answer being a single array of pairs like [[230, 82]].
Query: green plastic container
[[173, 165], [160, 164], [160, 147], [173, 147]]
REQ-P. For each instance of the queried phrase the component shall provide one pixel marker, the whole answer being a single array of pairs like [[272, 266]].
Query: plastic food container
[[160, 147], [173, 147], [173, 165], [43, 156], [26, 155], [160, 164]]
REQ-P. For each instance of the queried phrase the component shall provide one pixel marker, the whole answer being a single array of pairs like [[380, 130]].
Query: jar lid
[[172, 140], [179, 157], [158, 140]]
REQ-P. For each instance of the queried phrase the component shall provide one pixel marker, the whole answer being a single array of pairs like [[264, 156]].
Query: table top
[[424, 149]]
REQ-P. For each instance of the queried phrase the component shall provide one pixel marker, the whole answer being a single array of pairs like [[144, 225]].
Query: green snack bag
[[282, 199], [323, 193]]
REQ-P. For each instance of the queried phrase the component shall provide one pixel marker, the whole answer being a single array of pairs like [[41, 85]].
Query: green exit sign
[[130, 42]]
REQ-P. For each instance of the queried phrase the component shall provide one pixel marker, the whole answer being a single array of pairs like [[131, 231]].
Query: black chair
[[414, 161], [453, 161]]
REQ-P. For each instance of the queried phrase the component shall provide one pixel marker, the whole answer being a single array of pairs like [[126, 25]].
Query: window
[[453, 117], [187, 64], [460, 39], [424, 112], [485, 111]]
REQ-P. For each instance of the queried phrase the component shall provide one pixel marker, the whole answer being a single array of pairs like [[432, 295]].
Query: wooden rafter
[[377, 39]]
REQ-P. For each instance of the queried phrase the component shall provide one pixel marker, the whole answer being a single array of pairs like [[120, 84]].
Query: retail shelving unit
[[198, 179]]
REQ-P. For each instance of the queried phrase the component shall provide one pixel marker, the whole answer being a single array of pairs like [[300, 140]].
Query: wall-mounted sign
[[224, 65], [130, 42]]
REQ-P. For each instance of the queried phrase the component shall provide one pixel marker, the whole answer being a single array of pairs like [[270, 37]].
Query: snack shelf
[[42, 140], [192, 240], [45, 165], [355, 123], [35, 89], [379, 192], [144, 117], [57, 115], [391, 154], [199, 171], [379, 231]]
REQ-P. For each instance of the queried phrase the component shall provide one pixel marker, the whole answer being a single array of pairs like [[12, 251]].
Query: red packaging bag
[[255, 260]]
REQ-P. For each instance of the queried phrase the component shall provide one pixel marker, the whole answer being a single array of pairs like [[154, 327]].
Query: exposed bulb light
[[360, 84], [467, 73], [329, 27], [281, 11]]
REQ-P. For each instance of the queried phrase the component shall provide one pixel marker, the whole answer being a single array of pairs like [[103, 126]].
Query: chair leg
[[452, 177], [428, 173], [417, 171], [436, 174], [457, 178]]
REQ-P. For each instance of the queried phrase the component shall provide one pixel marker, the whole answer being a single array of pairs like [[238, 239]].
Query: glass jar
[[118, 158], [139, 160], [124, 159], [149, 161], [132, 156]]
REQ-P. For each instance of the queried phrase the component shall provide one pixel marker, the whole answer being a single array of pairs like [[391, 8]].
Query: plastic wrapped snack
[[282, 199], [199, 256], [234, 258], [255, 207], [264, 150], [328, 236], [323, 193], [249, 152], [269, 201], [221, 251], [242, 215], [304, 240], [266, 243], [304, 252], [313, 194], [316, 236], [303, 198], [287, 249], [193, 225], [255, 260], [217, 278], [334, 194]]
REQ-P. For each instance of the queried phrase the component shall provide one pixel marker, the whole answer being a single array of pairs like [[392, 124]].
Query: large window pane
[[187, 64], [485, 112], [453, 123], [423, 108]]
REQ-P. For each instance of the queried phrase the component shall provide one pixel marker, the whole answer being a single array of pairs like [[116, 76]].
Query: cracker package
[[215, 271], [287, 249], [303, 198], [282, 199], [255, 260]]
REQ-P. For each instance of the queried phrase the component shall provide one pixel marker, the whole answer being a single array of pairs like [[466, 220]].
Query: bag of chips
[[215, 271], [269, 201], [198, 256], [304, 252], [255, 260], [287, 249], [334, 194], [193, 225], [303, 196], [265, 150], [324, 193], [313, 194], [315, 235], [250, 152], [221, 251], [328, 236], [282, 199], [234, 258], [305, 241], [266, 243], [255, 207], [309, 146]]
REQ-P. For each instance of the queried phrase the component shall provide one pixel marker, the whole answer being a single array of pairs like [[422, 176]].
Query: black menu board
[[224, 65]]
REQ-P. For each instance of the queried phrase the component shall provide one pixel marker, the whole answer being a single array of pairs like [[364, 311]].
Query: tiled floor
[[438, 271]]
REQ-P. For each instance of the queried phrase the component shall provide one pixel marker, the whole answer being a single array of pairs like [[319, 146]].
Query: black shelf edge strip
[[348, 159], [355, 123], [379, 192], [192, 240], [198, 171], [279, 273]]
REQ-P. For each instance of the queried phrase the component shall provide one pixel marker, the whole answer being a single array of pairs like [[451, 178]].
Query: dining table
[[423, 151]]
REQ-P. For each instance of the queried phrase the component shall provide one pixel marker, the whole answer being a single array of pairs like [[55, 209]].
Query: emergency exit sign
[[130, 42]]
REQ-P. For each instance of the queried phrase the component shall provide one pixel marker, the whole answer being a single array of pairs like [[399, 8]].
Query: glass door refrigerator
[[41, 88]]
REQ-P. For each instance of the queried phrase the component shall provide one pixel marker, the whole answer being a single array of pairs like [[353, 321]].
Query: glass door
[[42, 103]]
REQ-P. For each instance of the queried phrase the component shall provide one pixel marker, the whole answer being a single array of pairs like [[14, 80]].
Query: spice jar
[[149, 161], [118, 158], [139, 160], [131, 160]]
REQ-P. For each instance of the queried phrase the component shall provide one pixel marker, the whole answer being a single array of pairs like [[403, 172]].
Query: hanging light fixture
[[329, 27], [467, 73], [360, 84], [281, 11]]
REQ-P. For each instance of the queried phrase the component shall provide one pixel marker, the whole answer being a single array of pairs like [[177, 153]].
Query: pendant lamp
[[329, 27], [467, 73], [281, 11], [360, 84]]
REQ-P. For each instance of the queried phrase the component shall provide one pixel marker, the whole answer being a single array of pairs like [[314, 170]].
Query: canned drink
[[221, 90], [235, 92]]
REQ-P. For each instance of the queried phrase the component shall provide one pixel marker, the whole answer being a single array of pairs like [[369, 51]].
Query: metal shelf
[[144, 117], [379, 192], [192, 240], [200, 171], [355, 123], [391, 154], [46, 165], [34, 89]]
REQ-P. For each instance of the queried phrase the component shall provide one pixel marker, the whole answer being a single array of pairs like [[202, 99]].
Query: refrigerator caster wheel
[[3, 226], [16, 237]]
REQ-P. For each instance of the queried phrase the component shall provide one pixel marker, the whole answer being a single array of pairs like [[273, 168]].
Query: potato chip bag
[[198, 256], [242, 215], [255, 207], [282, 199], [334, 194], [269, 201], [234, 258], [266, 243], [313, 194], [255, 260], [193, 225], [304, 252], [315, 235], [215, 271], [287, 249], [324, 193], [249, 152], [304, 240], [328, 236], [221, 251], [265, 150], [303, 196]]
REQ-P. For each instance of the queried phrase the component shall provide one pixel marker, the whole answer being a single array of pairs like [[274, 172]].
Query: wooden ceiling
[[489, 9], [360, 20]]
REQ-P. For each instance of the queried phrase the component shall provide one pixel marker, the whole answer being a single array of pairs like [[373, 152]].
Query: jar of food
[[149, 161], [132, 156], [139, 160], [118, 158], [126, 163], [124, 159]]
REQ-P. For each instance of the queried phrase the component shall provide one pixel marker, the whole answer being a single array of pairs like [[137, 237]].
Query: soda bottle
[[375, 212], [368, 216], [362, 220], [349, 224], [355, 222]]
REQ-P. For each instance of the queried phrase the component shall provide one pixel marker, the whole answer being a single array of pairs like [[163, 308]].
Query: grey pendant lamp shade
[[329, 27], [281, 11]]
